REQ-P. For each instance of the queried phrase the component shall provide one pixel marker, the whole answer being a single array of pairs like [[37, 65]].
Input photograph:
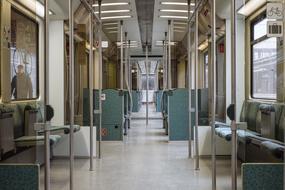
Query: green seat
[[262, 176], [28, 141], [19, 176]]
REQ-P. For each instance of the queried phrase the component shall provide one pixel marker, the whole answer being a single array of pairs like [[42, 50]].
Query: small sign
[[104, 44], [275, 29], [274, 11], [104, 132], [103, 97]]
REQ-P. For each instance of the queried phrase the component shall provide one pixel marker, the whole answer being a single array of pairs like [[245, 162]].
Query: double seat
[[260, 132], [17, 121]]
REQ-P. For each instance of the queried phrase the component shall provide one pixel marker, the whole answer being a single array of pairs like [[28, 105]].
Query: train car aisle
[[145, 160]]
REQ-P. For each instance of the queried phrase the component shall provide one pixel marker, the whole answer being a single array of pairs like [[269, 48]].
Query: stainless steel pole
[[165, 61], [213, 63], [71, 94], [189, 82], [91, 110], [196, 87], [122, 67], [126, 76], [46, 100], [100, 79], [233, 124], [169, 55], [147, 80]]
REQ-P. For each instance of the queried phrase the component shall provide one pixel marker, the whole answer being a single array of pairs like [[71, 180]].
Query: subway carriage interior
[[132, 94]]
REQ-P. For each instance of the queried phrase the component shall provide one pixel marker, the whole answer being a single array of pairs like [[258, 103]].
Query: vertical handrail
[[196, 87], [122, 68], [213, 63], [147, 81], [100, 77], [71, 94], [46, 91], [189, 82], [126, 80], [91, 110], [233, 123], [165, 61], [169, 78]]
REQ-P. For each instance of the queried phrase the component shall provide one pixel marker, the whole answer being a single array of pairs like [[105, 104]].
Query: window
[[263, 61], [206, 70], [24, 57]]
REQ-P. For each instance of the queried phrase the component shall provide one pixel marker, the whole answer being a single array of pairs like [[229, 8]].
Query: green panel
[[158, 96], [262, 176], [15, 177], [136, 95], [111, 113], [178, 115]]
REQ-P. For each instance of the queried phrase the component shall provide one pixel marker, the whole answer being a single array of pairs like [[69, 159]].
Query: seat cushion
[[26, 141], [276, 149]]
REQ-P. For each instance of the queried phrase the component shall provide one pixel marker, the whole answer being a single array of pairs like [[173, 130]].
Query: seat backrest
[[250, 115], [280, 124]]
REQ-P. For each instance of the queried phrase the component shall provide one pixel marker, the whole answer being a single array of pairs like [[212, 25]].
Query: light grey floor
[[144, 161]]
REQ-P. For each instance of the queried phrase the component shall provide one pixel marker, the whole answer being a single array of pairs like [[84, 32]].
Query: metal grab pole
[[46, 100], [71, 94], [147, 81], [165, 72], [196, 87], [122, 68], [189, 83], [233, 124], [169, 55], [213, 63], [100, 79], [91, 110], [126, 78]]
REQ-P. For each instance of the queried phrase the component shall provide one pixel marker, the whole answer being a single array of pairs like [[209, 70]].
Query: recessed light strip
[[174, 11], [111, 4], [116, 17], [176, 3], [114, 11], [171, 16], [110, 23]]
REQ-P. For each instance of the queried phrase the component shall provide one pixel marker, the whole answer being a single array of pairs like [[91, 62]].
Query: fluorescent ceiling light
[[180, 23], [179, 31], [112, 32], [170, 16], [111, 4], [110, 23], [176, 3], [111, 28], [179, 27], [116, 17], [174, 11], [114, 11], [250, 7], [203, 45]]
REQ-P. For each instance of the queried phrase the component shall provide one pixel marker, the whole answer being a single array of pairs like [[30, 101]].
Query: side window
[[263, 61], [24, 57], [206, 70]]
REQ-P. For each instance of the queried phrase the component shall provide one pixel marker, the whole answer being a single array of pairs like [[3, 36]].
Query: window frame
[[18, 11], [253, 42]]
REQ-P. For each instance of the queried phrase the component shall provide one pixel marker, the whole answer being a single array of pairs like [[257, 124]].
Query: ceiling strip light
[[111, 28], [116, 17], [176, 3], [111, 4], [169, 16], [179, 27], [110, 23], [179, 31], [250, 7], [112, 32], [114, 11], [173, 10]]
